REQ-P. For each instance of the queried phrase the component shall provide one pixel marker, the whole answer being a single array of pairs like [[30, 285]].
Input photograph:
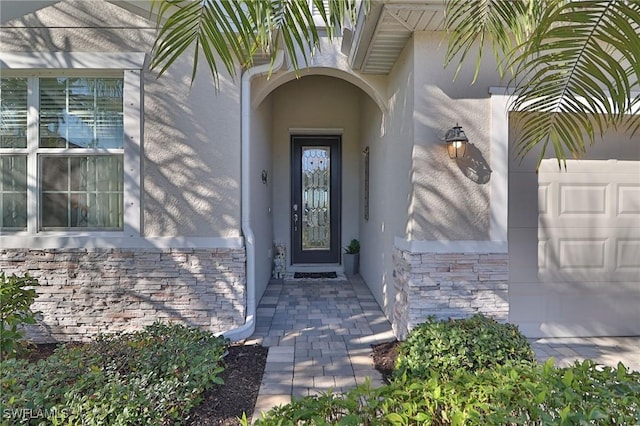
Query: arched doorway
[[316, 122]]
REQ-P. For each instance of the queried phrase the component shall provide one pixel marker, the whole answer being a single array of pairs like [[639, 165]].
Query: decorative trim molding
[[315, 131], [422, 246], [499, 134], [72, 60], [105, 240]]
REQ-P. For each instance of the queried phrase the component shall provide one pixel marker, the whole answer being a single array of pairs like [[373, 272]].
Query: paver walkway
[[319, 334]]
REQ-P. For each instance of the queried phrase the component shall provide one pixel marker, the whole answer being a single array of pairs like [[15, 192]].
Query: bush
[[473, 344], [523, 394], [154, 376], [16, 297]]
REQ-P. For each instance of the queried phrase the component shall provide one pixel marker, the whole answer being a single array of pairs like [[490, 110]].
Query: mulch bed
[[384, 358], [244, 366], [224, 404]]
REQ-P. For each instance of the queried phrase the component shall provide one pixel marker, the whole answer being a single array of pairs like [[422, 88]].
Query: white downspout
[[249, 326]]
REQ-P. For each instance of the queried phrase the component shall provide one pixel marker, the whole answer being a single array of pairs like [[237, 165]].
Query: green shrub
[[476, 343], [154, 376], [353, 247], [522, 394], [16, 297]]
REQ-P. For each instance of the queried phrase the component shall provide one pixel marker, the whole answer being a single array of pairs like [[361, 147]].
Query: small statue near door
[[279, 260]]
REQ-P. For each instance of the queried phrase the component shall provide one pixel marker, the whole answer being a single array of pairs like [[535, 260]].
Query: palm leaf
[[578, 71], [209, 27], [472, 23], [230, 33]]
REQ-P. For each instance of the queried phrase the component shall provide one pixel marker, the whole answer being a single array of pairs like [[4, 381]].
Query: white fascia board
[[107, 240], [142, 8], [510, 92], [366, 24]]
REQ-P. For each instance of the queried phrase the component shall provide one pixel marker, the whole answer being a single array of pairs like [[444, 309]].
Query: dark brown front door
[[316, 195]]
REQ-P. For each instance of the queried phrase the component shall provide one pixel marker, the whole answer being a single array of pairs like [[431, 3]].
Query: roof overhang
[[381, 33]]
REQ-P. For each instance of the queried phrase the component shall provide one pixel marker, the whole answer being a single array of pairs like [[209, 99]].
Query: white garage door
[[589, 247]]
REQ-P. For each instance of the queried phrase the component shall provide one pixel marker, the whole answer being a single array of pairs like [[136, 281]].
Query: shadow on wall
[[83, 292], [474, 166], [190, 184], [190, 177], [60, 26], [447, 204], [190, 189]]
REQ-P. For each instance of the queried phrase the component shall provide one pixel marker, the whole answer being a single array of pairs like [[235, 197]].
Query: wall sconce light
[[456, 141]]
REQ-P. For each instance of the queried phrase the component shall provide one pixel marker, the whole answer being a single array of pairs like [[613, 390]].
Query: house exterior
[[134, 198]]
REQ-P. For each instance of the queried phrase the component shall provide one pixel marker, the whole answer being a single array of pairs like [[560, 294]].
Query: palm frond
[[230, 33], [578, 72], [503, 24], [208, 26]]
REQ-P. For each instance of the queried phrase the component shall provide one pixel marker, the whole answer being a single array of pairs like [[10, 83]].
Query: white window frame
[[60, 64]]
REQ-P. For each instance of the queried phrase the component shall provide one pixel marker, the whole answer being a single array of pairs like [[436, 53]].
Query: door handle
[[295, 221]]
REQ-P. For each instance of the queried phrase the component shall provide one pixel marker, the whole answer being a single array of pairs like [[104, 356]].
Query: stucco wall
[[376, 236], [390, 144], [191, 156], [191, 148], [260, 203], [450, 199], [445, 263]]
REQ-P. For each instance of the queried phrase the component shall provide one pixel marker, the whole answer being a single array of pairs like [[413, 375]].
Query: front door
[[315, 206]]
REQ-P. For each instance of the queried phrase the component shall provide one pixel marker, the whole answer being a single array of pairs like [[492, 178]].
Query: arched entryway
[[316, 116]]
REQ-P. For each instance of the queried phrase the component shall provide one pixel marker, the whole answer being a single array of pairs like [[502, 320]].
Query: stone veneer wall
[[448, 285], [83, 292]]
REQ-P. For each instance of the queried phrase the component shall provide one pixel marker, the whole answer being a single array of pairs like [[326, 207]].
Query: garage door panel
[[582, 200], [601, 254], [584, 206], [589, 254], [628, 255], [629, 201]]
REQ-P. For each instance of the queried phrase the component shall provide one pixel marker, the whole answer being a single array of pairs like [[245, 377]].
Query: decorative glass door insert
[[316, 203]]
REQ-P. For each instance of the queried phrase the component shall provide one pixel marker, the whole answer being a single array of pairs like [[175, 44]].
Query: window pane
[[13, 113], [13, 191], [82, 191], [81, 112]]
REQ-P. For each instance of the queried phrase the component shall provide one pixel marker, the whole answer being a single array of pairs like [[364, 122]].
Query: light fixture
[[456, 141]]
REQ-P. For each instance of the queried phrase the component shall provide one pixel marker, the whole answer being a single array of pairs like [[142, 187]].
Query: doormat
[[315, 275]]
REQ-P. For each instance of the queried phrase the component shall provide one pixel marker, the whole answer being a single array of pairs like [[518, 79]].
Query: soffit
[[395, 23]]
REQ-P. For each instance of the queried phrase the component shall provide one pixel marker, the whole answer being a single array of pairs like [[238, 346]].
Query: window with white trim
[[62, 152]]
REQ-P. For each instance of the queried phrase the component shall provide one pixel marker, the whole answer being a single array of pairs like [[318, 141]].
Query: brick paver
[[319, 334]]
